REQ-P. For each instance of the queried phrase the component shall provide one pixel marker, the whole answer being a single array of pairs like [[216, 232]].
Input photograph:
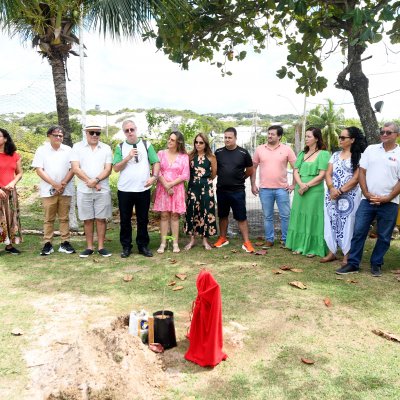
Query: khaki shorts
[[94, 205]]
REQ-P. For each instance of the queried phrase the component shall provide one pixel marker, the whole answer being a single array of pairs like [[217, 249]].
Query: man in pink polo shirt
[[273, 158]]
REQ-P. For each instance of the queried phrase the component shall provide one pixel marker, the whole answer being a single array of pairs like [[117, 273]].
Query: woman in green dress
[[200, 203], [306, 225]]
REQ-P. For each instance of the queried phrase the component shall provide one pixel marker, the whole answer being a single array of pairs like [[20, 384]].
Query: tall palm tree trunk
[[56, 61]]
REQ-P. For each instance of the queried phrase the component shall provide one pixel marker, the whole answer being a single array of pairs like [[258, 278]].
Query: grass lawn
[[269, 325]]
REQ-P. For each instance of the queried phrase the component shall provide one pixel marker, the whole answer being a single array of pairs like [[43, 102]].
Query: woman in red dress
[[10, 174]]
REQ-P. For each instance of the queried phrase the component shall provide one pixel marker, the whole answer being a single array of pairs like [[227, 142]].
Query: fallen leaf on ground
[[277, 271], [128, 277], [285, 268], [254, 265], [233, 251], [95, 260], [340, 279], [386, 335], [298, 284], [225, 257], [172, 283], [173, 261], [296, 270], [182, 277], [351, 281], [177, 288], [261, 252], [395, 271], [328, 302], [17, 332], [200, 263], [259, 244], [307, 361], [398, 278]]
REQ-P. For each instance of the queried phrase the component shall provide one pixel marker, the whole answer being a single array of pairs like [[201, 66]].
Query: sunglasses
[[344, 137], [92, 133], [196, 142], [57, 136], [387, 133], [130, 130]]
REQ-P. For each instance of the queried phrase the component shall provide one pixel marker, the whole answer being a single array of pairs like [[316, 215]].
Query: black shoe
[[376, 271], [66, 248], [104, 252], [47, 249], [126, 252], [347, 269], [145, 251], [86, 253], [12, 250]]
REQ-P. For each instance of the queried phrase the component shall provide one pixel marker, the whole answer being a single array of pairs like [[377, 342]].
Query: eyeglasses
[[57, 136], [130, 130], [92, 133], [344, 137], [196, 142], [387, 133]]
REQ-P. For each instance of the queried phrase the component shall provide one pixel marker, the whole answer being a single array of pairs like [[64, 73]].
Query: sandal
[[207, 246], [296, 253], [161, 249], [328, 258], [176, 248], [189, 245]]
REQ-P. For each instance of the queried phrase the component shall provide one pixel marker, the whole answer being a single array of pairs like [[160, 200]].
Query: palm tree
[[330, 121], [51, 26]]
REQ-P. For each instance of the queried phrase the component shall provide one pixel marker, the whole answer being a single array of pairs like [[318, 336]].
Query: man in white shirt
[[52, 163], [132, 159], [380, 184], [91, 163]]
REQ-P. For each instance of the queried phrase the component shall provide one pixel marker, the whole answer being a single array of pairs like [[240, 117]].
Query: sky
[[133, 74]]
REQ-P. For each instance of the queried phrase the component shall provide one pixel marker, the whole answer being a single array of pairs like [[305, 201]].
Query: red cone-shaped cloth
[[205, 335]]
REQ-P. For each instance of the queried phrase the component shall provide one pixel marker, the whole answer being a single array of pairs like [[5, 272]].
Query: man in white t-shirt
[[91, 163], [133, 159], [380, 184], [52, 163]]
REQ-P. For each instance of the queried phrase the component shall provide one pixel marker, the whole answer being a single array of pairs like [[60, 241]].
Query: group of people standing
[[362, 184]]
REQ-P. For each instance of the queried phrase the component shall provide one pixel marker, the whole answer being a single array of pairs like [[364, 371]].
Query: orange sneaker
[[248, 247], [222, 241]]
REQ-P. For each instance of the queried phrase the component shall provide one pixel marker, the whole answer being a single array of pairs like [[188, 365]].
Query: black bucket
[[164, 329]]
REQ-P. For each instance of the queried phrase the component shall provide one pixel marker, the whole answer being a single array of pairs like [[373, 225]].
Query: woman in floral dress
[[344, 194], [10, 174], [170, 190], [200, 205]]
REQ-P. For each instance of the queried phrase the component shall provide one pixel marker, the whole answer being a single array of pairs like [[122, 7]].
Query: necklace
[[316, 151]]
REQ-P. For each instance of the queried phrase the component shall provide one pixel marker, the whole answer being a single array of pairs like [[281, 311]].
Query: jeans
[[268, 198], [141, 201], [386, 219]]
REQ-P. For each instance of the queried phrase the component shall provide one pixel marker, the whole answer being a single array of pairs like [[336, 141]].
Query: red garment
[[205, 336], [8, 165]]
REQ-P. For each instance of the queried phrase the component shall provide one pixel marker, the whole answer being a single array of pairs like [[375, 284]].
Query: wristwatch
[[97, 180]]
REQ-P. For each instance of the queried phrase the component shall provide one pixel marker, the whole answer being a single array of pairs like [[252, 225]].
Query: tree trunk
[[358, 85], [56, 61]]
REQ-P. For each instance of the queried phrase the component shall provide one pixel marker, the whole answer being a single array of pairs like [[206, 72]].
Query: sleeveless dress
[[306, 224], [179, 168], [200, 205], [340, 213]]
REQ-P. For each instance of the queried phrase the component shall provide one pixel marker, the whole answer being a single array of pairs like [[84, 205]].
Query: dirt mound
[[101, 363]]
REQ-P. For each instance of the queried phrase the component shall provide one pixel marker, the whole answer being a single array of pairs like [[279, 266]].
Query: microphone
[[136, 157]]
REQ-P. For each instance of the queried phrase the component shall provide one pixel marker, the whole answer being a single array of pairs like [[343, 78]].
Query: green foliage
[[330, 121]]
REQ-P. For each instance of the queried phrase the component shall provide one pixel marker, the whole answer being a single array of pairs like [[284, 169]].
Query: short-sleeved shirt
[[272, 164], [92, 163], [8, 166], [136, 173], [383, 169], [231, 165], [56, 164]]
